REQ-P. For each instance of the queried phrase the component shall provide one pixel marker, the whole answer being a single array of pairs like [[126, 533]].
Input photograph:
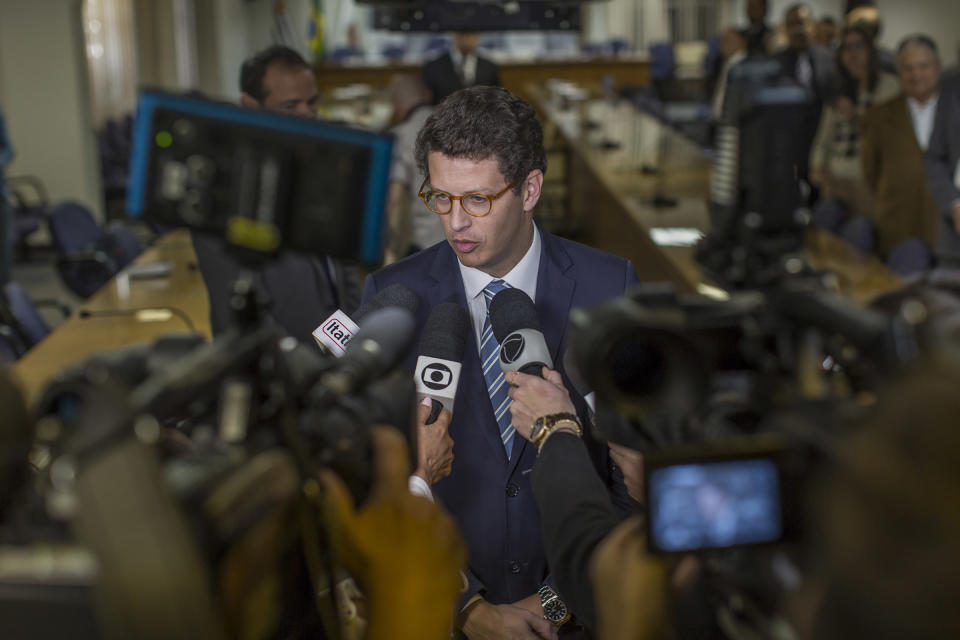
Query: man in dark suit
[[812, 67], [458, 68], [303, 289], [482, 152], [943, 169]]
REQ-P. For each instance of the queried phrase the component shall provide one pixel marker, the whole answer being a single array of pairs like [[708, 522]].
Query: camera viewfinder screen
[[714, 505]]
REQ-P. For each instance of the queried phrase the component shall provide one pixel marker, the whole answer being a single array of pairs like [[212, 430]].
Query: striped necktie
[[493, 374]]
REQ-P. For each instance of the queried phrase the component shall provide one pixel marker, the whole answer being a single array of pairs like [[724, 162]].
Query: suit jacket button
[[514, 567], [512, 490]]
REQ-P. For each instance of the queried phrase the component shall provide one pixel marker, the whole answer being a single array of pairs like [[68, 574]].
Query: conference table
[[130, 309], [638, 188]]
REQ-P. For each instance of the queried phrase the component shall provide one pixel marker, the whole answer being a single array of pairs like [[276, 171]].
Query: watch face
[[555, 610], [537, 430]]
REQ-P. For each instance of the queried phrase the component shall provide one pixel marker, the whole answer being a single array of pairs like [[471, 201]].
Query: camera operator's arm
[[404, 551], [575, 508], [630, 463]]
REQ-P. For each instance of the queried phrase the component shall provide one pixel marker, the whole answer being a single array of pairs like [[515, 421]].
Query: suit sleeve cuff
[[471, 591]]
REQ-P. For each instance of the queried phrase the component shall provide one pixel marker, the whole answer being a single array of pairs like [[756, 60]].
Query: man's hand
[[535, 397], [531, 604], [434, 445], [956, 218], [630, 462], [485, 621], [403, 550]]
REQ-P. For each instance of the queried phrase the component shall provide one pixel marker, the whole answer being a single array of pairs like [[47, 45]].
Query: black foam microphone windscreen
[[394, 295], [512, 310], [445, 333]]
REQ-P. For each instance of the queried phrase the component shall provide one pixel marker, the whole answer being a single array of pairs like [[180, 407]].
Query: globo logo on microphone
[[436, 376]]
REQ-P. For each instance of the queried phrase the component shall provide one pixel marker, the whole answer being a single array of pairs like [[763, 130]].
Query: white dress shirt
[[466, 68], [922, 116], [523, 277]]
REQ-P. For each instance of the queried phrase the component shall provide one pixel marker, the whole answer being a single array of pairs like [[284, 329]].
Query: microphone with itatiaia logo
[[513, 318], [441, 353], [338, 329]]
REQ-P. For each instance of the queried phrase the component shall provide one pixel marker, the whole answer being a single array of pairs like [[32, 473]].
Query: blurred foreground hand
[[633, 589], [404, 551]]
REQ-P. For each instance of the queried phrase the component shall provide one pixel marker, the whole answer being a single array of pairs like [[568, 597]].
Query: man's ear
[[532, 189], [248, 101]]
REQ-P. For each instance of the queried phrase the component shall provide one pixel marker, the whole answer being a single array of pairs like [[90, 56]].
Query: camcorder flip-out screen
[[262, 180], [718, 499]]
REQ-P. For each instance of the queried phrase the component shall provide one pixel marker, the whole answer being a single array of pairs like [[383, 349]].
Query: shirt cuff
[[419, 487]]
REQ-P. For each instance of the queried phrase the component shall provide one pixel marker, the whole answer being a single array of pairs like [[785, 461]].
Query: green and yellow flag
[[316, 32]]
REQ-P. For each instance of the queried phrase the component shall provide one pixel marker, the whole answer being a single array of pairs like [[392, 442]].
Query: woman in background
[[835, 155]]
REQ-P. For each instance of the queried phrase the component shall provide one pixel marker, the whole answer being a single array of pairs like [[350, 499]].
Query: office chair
[[910, 257], [30, 206], [859, 231], [88, 255], [10, 346], [24, 314]]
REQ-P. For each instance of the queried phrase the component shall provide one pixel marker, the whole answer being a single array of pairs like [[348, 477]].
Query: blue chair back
[[662, 61], [859, 232], [910, 257], [30, 323], [437, 46], [10, 348], [121, 244], [394, 53], [72, 228], [829, 214]]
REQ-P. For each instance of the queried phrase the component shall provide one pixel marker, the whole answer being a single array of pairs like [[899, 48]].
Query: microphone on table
[[338, 329], [513, 318], [441, 353], [142, 314]]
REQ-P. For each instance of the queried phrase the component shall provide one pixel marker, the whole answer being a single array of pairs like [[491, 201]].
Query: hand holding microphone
[[437, 376], [434, 444], [535, 397]]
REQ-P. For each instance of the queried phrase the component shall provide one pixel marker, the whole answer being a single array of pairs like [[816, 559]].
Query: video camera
[[735, 402], [185, 472]]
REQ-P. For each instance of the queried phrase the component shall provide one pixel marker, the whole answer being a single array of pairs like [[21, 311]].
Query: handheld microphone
[[513, 318], [441, 354], [383, 339], [338, 329]]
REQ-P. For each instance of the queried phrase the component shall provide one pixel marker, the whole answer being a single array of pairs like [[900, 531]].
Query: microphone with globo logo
[[336, 331], [513, 318], [441, 352]]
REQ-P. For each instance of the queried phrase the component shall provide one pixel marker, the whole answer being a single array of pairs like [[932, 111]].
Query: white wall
[[44, 95], [939, 19]]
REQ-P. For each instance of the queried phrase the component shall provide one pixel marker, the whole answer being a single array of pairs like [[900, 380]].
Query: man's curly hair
[[485, 122]]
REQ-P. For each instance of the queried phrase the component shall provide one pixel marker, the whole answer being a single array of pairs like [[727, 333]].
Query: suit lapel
[[554, 298]]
